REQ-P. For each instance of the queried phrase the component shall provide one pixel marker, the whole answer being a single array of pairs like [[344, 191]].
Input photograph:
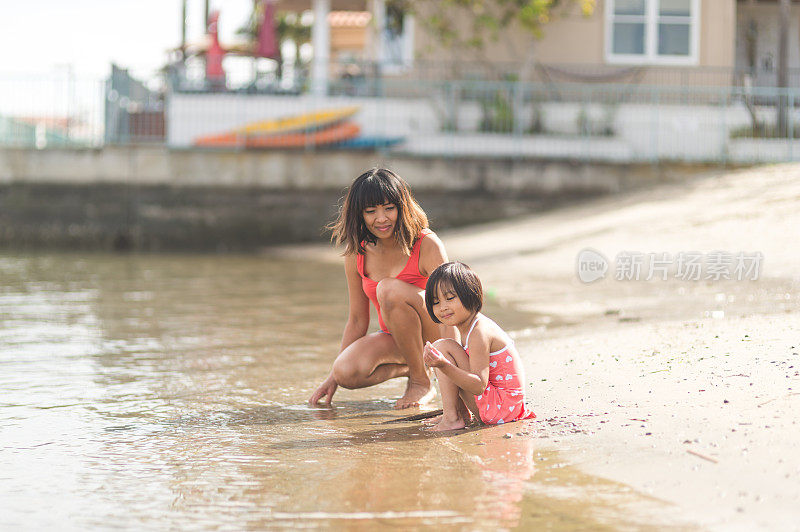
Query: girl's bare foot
[[416, 394], [463, 412], [449, 424], [432, 420]]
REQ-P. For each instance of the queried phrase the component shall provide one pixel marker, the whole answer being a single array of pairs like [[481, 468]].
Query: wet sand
[[169, 392], [685, 391]]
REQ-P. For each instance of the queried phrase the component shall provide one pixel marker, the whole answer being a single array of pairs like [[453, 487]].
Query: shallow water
[[167, 392]]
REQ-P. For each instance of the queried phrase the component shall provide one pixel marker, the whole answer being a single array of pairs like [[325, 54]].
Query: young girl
[[485, 375]]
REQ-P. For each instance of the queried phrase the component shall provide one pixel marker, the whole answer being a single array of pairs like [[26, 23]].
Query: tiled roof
[[349, 19]]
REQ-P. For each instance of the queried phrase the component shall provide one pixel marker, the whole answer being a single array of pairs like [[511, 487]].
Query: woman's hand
[[326, 389], [433, 357]]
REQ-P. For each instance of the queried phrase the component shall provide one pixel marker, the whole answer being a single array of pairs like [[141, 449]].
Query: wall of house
[[513, 45], [575, 39], [717, 33], [568, 38]]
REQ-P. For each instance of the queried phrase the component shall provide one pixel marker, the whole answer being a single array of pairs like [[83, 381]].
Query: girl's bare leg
[[455, 413], [403, 311]]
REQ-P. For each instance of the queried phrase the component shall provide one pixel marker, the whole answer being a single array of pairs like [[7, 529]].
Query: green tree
[[488, 18], [465, 27]]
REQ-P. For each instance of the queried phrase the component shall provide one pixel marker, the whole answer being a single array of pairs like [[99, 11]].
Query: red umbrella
[[267, 41], [215, 53]]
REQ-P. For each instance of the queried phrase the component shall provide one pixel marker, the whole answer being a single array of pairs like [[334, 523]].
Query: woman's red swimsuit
[[410, 275]]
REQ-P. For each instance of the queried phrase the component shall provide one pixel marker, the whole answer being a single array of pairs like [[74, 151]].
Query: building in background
[[133, 112]]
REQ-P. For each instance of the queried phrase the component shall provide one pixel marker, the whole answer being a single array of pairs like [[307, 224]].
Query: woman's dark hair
[[376, 187], [459, 278]]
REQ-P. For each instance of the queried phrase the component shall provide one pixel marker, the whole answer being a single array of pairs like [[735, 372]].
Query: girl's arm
[[356, 327], [473, 381]]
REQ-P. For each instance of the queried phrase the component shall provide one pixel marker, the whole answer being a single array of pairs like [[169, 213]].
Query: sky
[[52, 36]]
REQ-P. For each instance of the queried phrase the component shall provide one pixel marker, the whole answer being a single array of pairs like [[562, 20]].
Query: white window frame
[[651, 55]]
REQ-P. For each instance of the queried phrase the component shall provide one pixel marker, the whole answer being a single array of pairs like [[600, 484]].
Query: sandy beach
[[684, 390]]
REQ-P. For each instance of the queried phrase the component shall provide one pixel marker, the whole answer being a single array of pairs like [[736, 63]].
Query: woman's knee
[[392, 293], [347, 374]]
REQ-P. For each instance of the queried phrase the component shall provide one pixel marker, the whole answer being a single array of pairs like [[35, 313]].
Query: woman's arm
[[356, 327], [432, 255], [358, 312]]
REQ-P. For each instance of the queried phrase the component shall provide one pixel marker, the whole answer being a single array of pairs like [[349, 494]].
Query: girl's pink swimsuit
[[503, 400], [410, 275]]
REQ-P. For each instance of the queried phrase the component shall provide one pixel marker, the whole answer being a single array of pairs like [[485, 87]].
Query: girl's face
[[381, 219], [448, 307]]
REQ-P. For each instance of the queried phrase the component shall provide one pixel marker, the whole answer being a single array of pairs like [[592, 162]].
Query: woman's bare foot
[[449, 424], [416, 394]]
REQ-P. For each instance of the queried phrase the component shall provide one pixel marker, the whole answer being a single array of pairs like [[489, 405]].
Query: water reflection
[[167, 392]]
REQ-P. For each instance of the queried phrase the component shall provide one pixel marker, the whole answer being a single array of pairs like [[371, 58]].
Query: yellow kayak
[[298, 123]]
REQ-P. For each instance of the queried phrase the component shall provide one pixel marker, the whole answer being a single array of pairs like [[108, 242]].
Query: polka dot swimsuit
[[503, 400]]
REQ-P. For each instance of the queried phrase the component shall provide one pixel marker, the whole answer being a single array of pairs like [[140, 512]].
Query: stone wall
[[154, 199]]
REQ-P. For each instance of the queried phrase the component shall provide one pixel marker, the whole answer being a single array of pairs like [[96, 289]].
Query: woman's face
[[381, 220]]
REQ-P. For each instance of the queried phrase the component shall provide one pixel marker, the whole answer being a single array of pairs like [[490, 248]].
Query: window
[[652, 31], [397, 39]]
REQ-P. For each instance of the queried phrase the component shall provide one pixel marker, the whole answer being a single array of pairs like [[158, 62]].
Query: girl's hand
[[432, 356]]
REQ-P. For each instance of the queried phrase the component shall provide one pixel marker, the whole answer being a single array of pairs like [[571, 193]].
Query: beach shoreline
[[684, 390]]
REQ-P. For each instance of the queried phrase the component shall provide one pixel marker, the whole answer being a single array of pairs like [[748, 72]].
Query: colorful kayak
[[368, 142], [320, 137], [302, 122]]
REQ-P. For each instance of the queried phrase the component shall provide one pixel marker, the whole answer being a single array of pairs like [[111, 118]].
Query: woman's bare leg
[[368, 361], [403, 310]]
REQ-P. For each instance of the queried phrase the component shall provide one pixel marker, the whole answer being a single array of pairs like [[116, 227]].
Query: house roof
[[349, 19]]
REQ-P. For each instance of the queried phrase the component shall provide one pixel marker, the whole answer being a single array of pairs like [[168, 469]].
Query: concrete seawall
[[152, 198]]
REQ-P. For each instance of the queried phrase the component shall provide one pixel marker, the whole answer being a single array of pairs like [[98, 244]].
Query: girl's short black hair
[[460, 278]]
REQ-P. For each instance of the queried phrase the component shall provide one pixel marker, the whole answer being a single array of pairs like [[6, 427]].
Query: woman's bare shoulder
[[431, 238], [432, 245], [351, 262]]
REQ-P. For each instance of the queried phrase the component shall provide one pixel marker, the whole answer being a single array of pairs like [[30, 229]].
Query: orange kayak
[[320, 137]]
